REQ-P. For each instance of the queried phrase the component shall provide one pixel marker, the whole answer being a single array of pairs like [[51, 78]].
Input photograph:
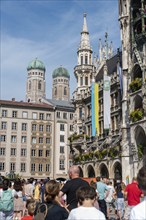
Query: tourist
[[110, 198], [29, 189], [55, 210], [120, 204], [132, 194], [18, 202], [139, 211], [37, 192], [7, 201], [30, 205], [71, 186], [86, 197], [93, 184], [103, 192]]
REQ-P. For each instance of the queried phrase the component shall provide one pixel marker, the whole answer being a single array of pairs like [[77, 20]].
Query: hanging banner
[[95, 109], [106, 102]]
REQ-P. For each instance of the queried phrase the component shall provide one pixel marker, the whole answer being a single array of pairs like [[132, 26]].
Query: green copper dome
[[61, 71], [36, 64]]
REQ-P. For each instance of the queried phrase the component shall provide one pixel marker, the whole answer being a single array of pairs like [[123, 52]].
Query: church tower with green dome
[[61, 89], [36, 85]]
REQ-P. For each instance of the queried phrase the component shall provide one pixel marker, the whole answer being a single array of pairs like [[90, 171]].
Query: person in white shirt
[[109, 198], [86, 197], [139, 211]]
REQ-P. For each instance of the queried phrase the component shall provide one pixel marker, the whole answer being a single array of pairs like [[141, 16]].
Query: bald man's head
[[74, 171]]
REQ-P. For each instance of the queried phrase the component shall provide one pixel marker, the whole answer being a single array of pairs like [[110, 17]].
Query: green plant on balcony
[[136, 84], [136, 115], [140, 149], [114, 152], [74, 137], [104, 153], [100, 154], [77, 159]]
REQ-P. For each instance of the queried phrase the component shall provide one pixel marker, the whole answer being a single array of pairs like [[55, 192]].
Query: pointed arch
[[136, 72], [104, 171], [140, 139], [90, 171], [117, 171], [138, 102], [81, 172]]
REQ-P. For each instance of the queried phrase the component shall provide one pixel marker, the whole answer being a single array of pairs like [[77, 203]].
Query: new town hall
[[43, 137]]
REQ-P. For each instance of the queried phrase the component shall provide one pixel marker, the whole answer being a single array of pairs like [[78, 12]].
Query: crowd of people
[[76, 199]]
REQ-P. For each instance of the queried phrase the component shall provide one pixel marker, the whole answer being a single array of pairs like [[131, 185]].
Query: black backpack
[[41, 215]]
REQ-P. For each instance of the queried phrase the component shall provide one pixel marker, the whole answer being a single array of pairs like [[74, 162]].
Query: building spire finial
[[85, 29]]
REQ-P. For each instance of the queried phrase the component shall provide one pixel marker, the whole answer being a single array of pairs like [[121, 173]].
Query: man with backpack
[[6, 201]]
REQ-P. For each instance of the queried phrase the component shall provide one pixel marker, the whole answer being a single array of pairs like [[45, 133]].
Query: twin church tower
[[36, 83]]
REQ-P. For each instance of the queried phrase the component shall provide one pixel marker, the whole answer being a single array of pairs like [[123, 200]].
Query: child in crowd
[[86, 197], [30, 205]]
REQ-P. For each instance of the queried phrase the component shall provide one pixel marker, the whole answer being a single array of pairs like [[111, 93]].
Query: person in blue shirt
[[103, 192]]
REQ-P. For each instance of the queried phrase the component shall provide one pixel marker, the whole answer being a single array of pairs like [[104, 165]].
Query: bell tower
[[83, 72], [36, 85]]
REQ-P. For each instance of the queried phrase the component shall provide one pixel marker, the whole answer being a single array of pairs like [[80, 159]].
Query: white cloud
[[53, 41]]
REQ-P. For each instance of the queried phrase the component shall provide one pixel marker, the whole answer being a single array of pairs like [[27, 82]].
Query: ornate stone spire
[[85, 42]]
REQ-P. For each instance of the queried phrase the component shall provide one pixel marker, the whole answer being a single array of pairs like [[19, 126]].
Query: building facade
[[118, 152], [34, 133], [132, 18]]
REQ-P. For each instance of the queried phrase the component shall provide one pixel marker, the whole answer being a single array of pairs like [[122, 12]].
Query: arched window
[[65, 91], [39, 85], [55, 91], [29, 85], [81, 60], [86, 59]]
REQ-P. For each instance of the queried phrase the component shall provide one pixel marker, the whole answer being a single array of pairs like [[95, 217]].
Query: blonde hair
[[31, 205]]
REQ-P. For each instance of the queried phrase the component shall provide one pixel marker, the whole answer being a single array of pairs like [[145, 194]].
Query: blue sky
[[50, 31]]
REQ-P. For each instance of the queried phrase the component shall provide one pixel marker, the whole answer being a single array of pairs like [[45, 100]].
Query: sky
[[49, 30]]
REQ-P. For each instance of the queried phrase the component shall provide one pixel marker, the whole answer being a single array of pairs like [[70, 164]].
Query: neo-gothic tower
[[84, 75], [35, 87], [61, 89], [132, 17]]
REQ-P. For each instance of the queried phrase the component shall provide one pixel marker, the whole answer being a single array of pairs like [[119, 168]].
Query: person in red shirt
[[132, 194], [30, 205]]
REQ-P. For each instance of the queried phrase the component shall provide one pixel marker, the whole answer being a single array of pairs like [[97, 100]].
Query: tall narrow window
[[39, 85], [4, 113], [81, 81], [86, 81], [55, 91], [29, 85], [61, 165], [81, 60], [80, 113], [65, 91], [86, 59]]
